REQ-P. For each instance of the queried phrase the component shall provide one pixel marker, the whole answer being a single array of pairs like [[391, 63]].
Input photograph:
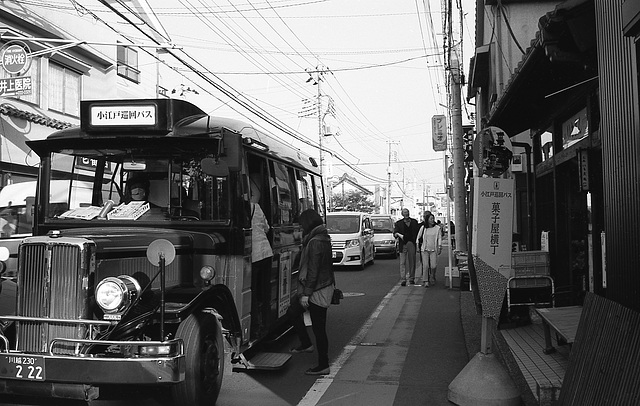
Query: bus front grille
[[52, 281]]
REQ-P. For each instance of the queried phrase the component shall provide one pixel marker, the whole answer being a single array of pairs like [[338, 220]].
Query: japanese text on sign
[[15, 86], [15, 57], [123, 115], [493, 221], [495, 226], [439, 129]]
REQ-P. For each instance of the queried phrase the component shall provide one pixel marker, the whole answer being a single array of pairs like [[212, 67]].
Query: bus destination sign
[[124, 115]]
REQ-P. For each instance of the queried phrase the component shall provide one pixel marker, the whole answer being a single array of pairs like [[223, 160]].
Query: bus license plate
[[30, 368]]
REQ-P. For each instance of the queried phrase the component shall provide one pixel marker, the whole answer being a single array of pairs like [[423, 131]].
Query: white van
[[384, 241], [351, 238]]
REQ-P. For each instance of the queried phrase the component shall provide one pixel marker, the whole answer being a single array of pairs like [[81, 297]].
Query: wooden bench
[[563, 321]]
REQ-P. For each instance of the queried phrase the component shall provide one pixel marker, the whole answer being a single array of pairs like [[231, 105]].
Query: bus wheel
[[204, 361]]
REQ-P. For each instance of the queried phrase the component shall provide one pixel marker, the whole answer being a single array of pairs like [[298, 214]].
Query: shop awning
[[558, 70]]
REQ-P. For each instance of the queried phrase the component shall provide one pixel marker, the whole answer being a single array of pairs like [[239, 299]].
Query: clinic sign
[[439, 132], [492, 235], [15, 57]]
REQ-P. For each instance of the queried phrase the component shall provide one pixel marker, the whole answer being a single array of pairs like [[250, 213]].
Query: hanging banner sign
[[492, 237], [439, 132]]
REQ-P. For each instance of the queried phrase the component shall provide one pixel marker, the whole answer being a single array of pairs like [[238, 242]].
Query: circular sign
[[15, 57], [492, 151], [161, 247]]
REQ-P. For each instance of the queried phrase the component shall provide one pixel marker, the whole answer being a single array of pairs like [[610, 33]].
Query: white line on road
[[322, 384]]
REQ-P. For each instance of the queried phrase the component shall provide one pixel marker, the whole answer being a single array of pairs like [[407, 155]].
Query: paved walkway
[[407, 354]]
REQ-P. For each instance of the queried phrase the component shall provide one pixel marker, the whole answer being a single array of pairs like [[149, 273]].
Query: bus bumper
[[79, 377]]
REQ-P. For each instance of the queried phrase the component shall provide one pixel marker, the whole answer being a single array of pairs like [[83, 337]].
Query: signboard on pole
[[15, 60], [439, 132], [492, 235], [492, 151]]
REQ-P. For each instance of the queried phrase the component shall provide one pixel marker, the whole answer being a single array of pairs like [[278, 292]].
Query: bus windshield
[[141, 183]]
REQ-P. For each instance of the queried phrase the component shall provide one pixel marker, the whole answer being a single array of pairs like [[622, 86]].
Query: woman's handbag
[[337, 296]]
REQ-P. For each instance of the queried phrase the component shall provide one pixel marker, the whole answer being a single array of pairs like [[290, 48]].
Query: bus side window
[[284, 195], [319, 195], [305, 192], [260, 182]]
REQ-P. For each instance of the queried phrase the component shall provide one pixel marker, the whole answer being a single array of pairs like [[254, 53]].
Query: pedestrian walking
[[315, 287], [406, 231], [452, 235], [430, 248]]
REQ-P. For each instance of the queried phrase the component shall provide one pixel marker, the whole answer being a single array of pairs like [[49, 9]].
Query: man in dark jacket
[[406, 231]]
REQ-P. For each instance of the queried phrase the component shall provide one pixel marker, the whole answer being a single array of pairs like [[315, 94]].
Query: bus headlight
[[4, 253], [207, 273], [115, 295]]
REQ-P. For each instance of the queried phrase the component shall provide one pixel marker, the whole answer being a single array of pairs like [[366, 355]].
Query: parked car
[[384, 241], [351, 238]]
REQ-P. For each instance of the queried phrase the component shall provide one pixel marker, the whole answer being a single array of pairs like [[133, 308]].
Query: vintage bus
[[117, 291]]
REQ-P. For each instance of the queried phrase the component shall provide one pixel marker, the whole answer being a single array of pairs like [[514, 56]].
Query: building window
[[64, 90], [17, 84], [128, 63]]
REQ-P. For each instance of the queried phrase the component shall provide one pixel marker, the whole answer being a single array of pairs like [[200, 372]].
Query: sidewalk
[[408, 354]]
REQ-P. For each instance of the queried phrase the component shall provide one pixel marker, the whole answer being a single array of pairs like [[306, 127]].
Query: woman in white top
[[430, 242], [261, 255]]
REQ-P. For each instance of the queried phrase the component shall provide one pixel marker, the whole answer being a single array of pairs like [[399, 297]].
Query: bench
[[563, 321]]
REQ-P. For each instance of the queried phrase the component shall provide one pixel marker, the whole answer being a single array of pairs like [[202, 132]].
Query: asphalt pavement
[[407, 354]]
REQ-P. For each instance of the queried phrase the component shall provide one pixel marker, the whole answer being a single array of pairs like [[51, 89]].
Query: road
[[363, 291]]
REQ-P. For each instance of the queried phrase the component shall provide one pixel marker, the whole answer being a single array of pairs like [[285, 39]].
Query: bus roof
[[169, 118]]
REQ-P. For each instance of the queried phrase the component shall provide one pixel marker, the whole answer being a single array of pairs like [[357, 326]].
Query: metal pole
[[389, 181], [450, 251], [459, 187], [320, 123]]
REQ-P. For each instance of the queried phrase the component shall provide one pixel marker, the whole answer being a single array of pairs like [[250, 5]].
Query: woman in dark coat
[[315, 288]]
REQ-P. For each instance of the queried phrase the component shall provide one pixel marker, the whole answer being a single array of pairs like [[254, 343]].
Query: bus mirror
[[233, 151], [134, 166], [216, 168]]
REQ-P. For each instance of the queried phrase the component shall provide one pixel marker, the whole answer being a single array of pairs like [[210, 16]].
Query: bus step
[[263, 361]]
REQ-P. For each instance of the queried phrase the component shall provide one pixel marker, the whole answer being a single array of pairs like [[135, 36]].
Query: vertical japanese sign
[[492, 235], [285, 283], [439, 132]]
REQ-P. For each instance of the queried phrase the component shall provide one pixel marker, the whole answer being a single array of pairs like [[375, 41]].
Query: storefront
[[551, 102]]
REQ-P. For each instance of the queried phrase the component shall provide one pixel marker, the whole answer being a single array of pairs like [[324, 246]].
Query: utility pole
[[389, 179], [316, 76], [459, 186]]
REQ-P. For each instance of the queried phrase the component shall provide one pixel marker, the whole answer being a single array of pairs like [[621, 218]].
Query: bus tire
[[204, 361]]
